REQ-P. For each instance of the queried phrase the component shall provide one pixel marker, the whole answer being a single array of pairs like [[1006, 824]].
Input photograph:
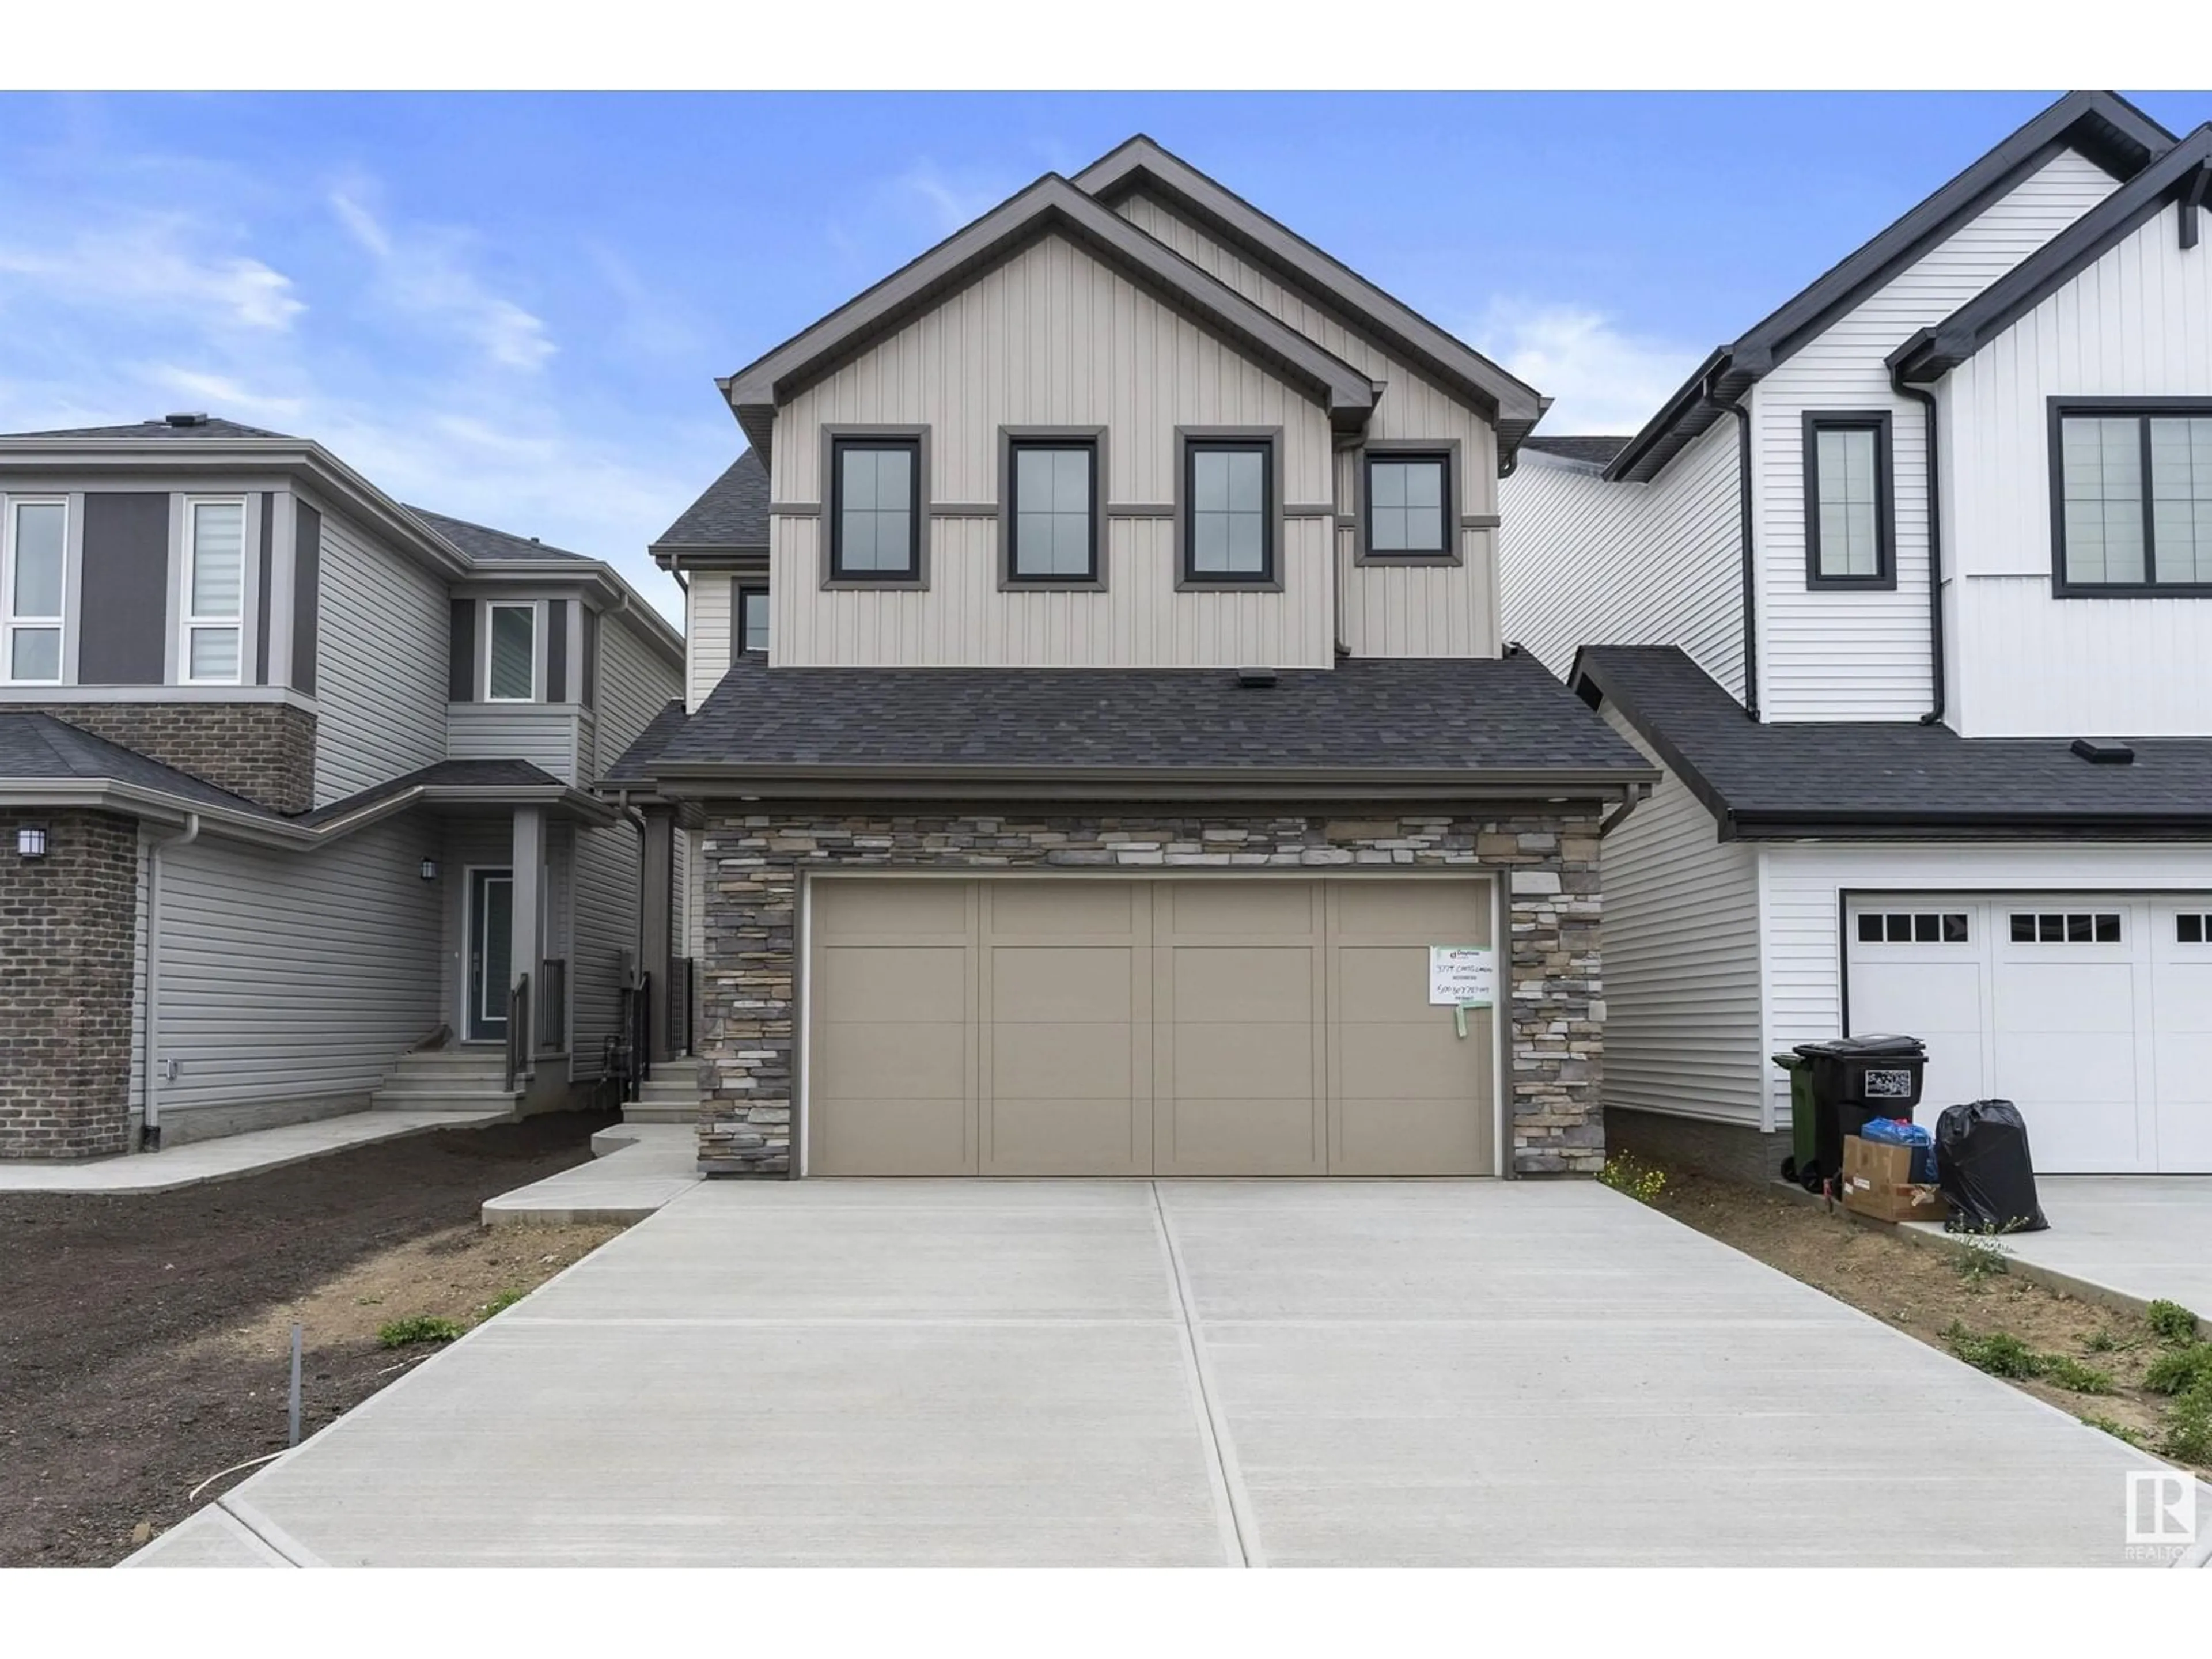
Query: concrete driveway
[[1200, 1372], [2146, 1237]]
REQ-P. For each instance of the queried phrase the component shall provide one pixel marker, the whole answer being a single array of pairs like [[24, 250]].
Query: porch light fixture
[[430, 869], [31, 841]]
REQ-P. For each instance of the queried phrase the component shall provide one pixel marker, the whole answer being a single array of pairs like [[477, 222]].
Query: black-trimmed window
[[1915, 927], [752, 620], [1229, 492], [1851, 521], [2192, 927], [1408, 504], [875, 509], [1052, 510], [2066, 927], [2112, 534]]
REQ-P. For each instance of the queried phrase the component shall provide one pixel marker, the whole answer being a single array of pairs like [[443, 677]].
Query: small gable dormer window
[[1408, 504], [2110, 534], [1850, 538], [752, 620], [213, 593], [34, 552], [511, 657]]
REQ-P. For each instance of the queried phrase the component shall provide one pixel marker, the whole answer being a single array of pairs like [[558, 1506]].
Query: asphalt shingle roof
[[447, 773], [487, 545], [1895, 778], [732, 514], [635, 767], [1595, 450], [1403, 713], [208, 428], [38, 747]]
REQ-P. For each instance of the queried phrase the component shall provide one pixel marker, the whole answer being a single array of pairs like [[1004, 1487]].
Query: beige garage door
[[1072, 1026]]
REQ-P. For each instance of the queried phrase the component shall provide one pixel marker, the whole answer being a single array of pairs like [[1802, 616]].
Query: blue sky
[[512, 308]]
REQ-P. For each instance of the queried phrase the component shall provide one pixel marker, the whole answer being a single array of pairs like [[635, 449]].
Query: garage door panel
[[1428, 1059], [1098, 1135], [877, 907], [907, 983], [892, 1060], [1058, 909], [1432, 1135], [1247, 906], [1247, 1059], [1212, 984], [1056, 1060], [2058, 995], [1387, 982], [1424, 912], [1940, 1002], [869, 1135], [1269, 1134], [1062, 984]]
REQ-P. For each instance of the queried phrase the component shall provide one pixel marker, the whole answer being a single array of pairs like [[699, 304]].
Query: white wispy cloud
[[425, 274], [949, 200], [155, 265], [1602, 377]]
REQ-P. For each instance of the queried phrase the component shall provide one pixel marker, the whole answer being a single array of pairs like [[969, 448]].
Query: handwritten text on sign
[[1463, 973]]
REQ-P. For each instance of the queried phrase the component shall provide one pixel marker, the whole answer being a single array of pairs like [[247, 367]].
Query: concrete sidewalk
[[637, 1168], [198, 1162], [2141, 1238], [1193, 1373]]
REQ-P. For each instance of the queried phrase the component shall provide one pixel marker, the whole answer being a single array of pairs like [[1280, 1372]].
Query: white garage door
[[2092, 1012]]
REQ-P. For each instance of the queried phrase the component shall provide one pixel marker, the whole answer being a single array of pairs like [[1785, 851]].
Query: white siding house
[[1887, 824]]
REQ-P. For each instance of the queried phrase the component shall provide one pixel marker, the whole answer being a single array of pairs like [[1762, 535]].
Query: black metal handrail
[[634, 1052], [518, 1031], [682, 986], [553, 1006]]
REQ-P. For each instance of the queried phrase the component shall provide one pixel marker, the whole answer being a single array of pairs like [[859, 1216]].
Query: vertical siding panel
[[384, 632]]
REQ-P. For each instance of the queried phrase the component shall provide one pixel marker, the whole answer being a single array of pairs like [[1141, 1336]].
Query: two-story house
[[1101, 755], [1909, 592], [296, 804]]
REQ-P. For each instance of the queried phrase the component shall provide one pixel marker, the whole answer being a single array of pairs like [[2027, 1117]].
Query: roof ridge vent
[[2107, 753], [192, 418], [1256, 679]]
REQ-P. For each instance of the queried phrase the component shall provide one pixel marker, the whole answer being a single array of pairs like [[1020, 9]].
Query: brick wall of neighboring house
[[68, 950], [264, 751], [1734, 1151], [754, 861]]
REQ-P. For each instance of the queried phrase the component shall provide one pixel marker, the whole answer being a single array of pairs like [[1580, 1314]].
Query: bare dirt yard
[[2088, 1360], [145, 1341]]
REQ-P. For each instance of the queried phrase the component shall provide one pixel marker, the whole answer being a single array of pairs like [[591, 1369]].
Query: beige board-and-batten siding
[[754, 864]]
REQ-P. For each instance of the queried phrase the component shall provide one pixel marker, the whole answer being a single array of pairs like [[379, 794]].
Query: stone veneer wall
[[755, 861], [68, 925], [264, 751]]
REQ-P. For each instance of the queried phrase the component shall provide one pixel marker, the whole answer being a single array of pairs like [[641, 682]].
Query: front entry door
[[491, 953]]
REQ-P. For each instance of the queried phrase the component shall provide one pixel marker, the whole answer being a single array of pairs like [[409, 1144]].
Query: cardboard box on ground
[[1877, 1182]]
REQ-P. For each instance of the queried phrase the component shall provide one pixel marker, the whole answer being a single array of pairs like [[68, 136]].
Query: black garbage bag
[[1982, 1166]]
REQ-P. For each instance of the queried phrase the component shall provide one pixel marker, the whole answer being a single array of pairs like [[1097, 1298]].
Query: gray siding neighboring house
[[304, 829]]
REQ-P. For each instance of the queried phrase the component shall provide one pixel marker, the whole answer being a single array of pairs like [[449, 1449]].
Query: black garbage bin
[[1855, 1079]]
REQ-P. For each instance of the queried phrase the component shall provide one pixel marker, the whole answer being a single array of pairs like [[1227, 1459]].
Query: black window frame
[[1264, 446], [1445, 458], [745, 591], [2142, 411], [842, 444], [1010, 572], [1878, 422]]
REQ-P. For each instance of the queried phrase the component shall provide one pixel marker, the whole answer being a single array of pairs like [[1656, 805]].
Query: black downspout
[[1750, 555], [1926, 399]]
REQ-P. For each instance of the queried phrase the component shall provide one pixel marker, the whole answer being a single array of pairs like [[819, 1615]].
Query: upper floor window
[[1850, 525], [2132, 496], [511, 658], [32, 553], [875, 509], [1408, 504], [1229, 510], [1052, 508], [752, 620], [213, 592]]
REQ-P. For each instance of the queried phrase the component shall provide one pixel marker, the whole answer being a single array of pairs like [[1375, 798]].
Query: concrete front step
[[430, 1099], [646, 1111]]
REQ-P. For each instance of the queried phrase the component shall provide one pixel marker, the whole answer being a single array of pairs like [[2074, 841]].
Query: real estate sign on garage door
[[1080, 1026], [2090, 1013]]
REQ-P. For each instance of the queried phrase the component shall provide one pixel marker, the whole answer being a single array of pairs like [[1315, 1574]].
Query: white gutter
[[149, 1133]]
